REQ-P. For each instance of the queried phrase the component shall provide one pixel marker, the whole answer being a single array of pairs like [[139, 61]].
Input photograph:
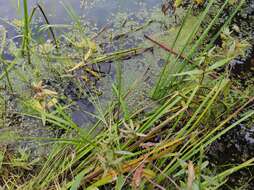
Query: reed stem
[[26, 38]]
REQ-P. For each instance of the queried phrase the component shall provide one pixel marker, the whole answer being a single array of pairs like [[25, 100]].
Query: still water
[[96, 12]]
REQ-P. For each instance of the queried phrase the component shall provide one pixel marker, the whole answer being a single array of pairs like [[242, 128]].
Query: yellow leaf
[[191, 175], [81, 43], [232, 2], [92, 45], [37, 105], [79, 65], [47, 92], [85, 78], [88, 54], [18, 23], [199, 2], [95, 74], [149, 174], [137, 177], [178, 3], [52, 103]]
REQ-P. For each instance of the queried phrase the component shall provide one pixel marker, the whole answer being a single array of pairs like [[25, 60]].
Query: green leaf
[[192, 72], [120, 182], [1, 159], [219, 64], [77, 180], [101, 182], [216, 65]]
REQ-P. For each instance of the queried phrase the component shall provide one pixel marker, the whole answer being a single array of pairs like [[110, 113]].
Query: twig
[[169, 178], [121, 55], [170, 50], [156, 129], [155, 184], [103, 29], [125, 34]]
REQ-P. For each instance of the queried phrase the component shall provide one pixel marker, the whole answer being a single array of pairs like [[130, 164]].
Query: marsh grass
[[26, 33], [166, 80], [160, 145]]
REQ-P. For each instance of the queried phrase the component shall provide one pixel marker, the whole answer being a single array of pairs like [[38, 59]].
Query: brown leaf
[[137, 177], [165, 7], [199, 2], [191, 175], [147, 145], [37, 87]]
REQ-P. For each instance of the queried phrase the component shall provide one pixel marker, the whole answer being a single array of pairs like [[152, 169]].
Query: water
[[96, 12]]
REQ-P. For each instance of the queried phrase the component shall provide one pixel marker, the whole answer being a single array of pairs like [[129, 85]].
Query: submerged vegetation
[[134, 105]]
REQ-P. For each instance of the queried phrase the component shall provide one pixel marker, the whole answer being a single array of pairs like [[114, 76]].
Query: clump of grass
[[166, 80]]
